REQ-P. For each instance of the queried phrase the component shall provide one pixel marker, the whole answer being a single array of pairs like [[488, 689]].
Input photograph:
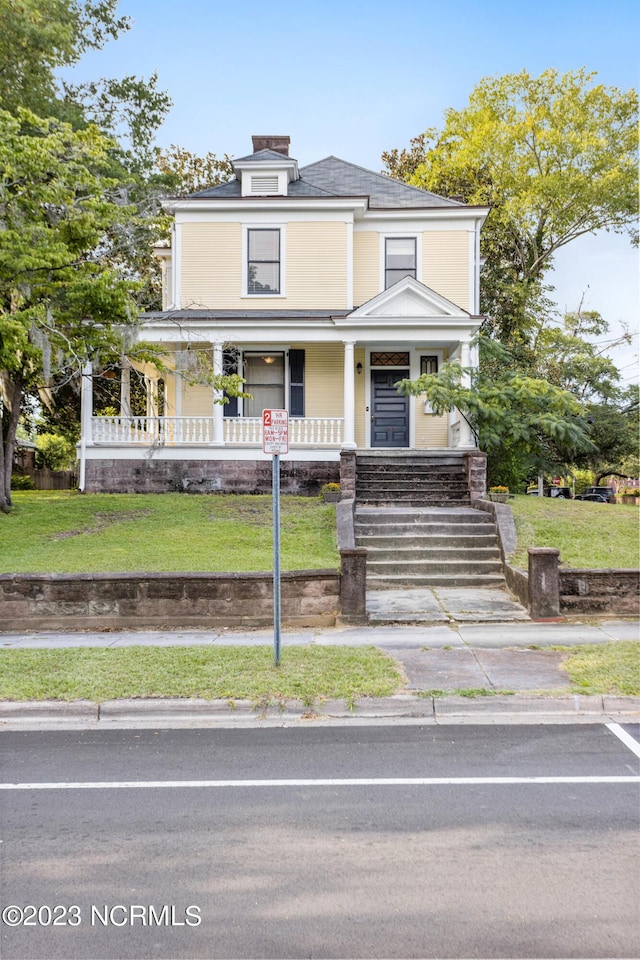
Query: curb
[[387, 708]]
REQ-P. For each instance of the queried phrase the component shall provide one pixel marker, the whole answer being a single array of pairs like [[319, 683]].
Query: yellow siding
[[324, 380], [197, 400], [366, 267], [445, 264], [316, 266], [431, 431], [212, 265], [170, 394]]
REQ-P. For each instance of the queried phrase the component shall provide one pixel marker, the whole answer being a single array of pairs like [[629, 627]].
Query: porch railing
[[303, 431]]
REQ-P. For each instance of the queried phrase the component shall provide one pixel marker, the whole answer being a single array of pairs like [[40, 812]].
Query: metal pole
[[276, 558]]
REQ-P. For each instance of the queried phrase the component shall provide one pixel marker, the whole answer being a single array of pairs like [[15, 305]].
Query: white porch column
[[349, 439], [125, 387], [86, 412], [218, 409], [86, 402], [467, 439]]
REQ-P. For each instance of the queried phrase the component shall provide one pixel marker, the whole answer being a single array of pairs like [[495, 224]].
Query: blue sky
[[355, 78]]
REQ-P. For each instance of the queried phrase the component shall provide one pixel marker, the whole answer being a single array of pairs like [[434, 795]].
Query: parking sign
[[275, 431]]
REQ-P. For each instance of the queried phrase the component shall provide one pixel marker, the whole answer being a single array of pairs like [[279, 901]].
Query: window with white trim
[[264, 376], [399, 259], [263, 261]]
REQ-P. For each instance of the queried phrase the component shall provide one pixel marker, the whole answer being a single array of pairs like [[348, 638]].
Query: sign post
[[275, 440]]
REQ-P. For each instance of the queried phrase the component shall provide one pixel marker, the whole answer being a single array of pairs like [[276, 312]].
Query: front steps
[[428, 547], [412, 479]]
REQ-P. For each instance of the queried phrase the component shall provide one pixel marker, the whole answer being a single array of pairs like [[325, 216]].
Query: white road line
[[625, 737], [334, 782]]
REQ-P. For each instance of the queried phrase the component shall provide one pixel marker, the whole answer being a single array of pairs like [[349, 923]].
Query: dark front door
[[390, 410]]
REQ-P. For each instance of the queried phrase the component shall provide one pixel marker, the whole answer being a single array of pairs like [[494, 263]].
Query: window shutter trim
[[296, 383]]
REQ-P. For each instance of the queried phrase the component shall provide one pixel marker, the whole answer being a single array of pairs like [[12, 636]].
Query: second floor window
[[264, 261], [400, 259]]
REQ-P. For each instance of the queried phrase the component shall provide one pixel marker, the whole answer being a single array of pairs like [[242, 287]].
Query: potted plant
[[330, 492], [499, 494]]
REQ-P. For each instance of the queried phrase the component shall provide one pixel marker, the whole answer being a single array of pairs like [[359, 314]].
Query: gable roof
[[408, 298], [264, 154], [333, 177]]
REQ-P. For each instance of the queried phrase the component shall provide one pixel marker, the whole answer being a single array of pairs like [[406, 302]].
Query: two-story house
[[323, 286]]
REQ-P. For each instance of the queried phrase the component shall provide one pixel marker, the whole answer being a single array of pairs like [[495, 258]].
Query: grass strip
[[608, 668], [246, 673]]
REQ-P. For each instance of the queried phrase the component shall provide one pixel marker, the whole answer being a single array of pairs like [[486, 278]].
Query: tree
[[60, 305], [565, 356], [555, 157], [613, 428], [524, 423], [185, 172], [37, 40]]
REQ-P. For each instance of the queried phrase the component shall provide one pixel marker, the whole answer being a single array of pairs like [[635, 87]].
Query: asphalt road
[[445, 847]]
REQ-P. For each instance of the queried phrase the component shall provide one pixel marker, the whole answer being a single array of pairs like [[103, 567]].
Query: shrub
[[22, 481], [54, 451]]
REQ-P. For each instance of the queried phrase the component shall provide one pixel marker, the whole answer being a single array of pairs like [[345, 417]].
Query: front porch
[[335, 373]]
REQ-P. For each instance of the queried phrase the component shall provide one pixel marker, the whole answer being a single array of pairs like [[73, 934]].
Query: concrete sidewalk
[[435, 636], [519, 677]]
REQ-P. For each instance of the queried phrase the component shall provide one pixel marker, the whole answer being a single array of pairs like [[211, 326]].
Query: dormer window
[[269, 170], [263, 266]]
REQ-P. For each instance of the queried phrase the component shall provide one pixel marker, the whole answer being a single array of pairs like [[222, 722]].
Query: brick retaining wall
[[600, 591], [102, 601]]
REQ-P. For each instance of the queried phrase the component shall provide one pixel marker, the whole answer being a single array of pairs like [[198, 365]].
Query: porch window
[[263, 276], [400, 259], [264, 376], [428, 365]]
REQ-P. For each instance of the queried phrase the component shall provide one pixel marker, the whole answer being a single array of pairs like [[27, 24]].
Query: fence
[[45, 479]]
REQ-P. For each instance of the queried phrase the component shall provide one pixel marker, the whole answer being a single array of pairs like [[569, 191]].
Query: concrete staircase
[[411, 479], [422, 546]]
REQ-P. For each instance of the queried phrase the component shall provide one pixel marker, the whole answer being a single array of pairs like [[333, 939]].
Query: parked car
[[562, 493], [598, 493]]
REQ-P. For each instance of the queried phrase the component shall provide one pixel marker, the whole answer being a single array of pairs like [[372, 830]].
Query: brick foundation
[[207, 476]]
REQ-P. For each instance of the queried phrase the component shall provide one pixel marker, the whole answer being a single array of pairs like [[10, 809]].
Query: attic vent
[[262, 185]]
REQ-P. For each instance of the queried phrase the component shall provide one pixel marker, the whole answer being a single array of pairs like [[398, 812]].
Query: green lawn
[[68, 532], [590, 535], [227, 673]]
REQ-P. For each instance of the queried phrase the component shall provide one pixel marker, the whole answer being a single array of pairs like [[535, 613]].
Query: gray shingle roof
[[333, 177], [264, 155], [344, 179]]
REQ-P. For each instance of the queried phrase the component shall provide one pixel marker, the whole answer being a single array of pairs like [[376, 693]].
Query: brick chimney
[[279, 144]]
